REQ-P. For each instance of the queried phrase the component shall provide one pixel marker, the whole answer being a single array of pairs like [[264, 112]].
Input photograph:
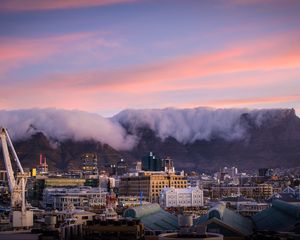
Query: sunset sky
[[104, 56]]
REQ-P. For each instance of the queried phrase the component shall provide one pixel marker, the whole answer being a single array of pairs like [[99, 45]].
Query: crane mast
[[22, 218]]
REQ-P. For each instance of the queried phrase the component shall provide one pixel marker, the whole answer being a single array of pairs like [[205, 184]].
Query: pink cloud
[[16, 52], [279, 52], [243, 102], [33, 5], [121, 87]]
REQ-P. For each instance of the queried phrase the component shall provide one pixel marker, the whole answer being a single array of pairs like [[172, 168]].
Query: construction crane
[[21, 216]]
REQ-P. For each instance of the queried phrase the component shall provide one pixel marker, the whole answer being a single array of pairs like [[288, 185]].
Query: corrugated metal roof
[[231, 218], [153, 217], [281, 216]]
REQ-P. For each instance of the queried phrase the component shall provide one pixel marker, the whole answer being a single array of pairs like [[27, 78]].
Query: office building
[[121, 167], [80, 197], [151, 163], [89, 165], [181, 197], [149, 184]]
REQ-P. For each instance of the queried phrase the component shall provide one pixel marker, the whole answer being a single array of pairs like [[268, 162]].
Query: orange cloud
[[33, 5]]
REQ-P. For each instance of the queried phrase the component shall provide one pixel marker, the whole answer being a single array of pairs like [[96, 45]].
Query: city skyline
[[105, 56]]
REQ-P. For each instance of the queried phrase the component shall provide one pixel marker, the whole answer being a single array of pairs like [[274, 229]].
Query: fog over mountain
[[61, 125], [189, 125], [199, 138], [185, 125]]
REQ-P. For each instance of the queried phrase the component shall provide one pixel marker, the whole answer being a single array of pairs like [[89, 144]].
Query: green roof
[[228, 217], [153, 217], [232, 219], [280, 217]]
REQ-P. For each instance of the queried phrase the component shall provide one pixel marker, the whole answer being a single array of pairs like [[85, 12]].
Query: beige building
[[260, 191], [150, 184]]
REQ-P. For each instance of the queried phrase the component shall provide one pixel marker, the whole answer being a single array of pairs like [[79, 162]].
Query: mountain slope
[[196, 140]]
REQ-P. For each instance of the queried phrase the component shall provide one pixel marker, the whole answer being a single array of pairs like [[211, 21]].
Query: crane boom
[[7, 162], [17, 183], [14, 152]]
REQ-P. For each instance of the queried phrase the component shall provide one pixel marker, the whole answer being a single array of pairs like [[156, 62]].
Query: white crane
[[21, 216]]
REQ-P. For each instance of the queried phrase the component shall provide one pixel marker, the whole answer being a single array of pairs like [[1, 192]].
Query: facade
[[118, 229], [121, 167], [89, 165], [149, 184], [168, 165], [81, 198], [131, 201], [63, 182], [260, 191], [181, 197], [151, 163]]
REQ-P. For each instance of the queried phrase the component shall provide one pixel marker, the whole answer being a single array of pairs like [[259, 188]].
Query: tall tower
[[151, 163]]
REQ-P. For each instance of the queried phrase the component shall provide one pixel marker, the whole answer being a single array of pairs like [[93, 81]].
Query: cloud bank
[[65, 124], [185, 125]]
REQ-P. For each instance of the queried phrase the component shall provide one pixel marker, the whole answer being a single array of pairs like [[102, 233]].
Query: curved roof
[[231, 218], [153, 217], [280, 217], [141, 211]]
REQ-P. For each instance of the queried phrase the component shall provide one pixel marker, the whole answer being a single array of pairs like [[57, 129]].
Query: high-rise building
[[121, 167], [89, 165], [151, 163]]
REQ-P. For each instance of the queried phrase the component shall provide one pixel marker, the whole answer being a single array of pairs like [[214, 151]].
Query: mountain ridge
[[265, 138]]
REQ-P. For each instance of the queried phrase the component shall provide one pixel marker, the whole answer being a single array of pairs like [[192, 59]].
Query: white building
[[181, 197], [80, 197]]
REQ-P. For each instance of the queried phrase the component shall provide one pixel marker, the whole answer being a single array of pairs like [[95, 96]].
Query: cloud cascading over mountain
[[65, 124], [185, 125]]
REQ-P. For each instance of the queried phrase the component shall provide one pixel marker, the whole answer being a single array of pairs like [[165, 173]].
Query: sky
[[103, 56]]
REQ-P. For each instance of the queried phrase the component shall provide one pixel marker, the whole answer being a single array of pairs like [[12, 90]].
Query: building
[[121, 167], [260, 191], [89, 165], [62, 182], [168, 165], [149, 184], [194, 181], [151, 163], [80, 198], [181, 197], [131, 201], [118, 229], [281, 217], [244, 206], [224, 221]]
